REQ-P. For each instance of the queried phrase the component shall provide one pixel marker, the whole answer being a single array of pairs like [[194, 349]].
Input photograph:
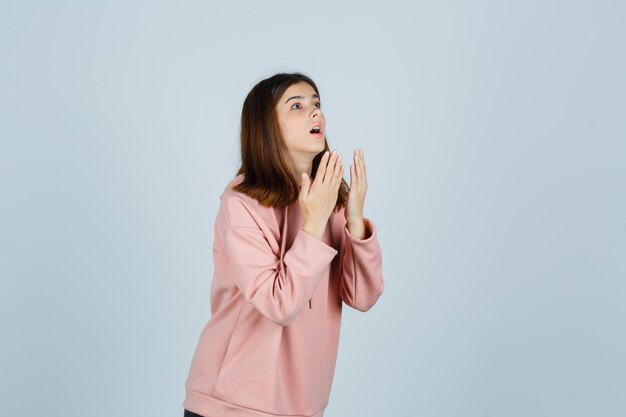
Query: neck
[[300, 164]]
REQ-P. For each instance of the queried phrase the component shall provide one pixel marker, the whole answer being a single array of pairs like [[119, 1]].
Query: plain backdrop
[[494, 135]]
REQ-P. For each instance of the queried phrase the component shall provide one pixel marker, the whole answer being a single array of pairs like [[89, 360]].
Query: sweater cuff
[[370, 232]]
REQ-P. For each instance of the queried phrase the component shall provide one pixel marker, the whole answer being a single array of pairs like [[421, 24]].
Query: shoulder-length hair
[[267, 176]]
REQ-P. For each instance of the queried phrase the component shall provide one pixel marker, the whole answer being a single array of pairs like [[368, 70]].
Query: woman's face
[[298, 111]]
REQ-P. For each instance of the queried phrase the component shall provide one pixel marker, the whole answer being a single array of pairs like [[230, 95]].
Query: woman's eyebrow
[[313, 96]]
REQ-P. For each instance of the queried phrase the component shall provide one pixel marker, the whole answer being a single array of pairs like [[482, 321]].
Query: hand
[[318, 199], [358, 188]]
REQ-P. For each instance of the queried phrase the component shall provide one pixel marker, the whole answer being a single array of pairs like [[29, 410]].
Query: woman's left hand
[[356, 196]]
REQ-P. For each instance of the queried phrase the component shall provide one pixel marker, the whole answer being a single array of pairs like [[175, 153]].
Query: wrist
[[357, 228], [356, 222], [314, 228]]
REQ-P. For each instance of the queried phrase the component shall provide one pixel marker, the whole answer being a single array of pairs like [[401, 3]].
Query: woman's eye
[[319, 105]]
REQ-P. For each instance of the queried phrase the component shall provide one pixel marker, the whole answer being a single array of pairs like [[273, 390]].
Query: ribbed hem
[[212, 407]]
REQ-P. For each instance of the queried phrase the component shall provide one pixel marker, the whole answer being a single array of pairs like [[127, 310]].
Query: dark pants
[[190, 414]]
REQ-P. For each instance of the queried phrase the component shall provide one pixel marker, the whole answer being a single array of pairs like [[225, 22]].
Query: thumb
[[306, 184]]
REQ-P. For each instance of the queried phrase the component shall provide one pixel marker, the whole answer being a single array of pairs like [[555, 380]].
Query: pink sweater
[[270, 346]]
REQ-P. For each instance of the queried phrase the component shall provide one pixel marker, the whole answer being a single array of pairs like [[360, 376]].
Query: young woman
[[291, 245]]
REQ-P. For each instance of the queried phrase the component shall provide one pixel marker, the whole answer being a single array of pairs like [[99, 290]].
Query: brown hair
[[267, 177]]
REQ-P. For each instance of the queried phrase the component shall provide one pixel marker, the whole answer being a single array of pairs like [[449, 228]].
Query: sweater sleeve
[[362, 280], [278, 290]]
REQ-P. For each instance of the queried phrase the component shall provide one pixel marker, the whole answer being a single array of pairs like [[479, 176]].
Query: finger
[[359, 166], [364, 168], [363, 164], [328, 171], [352, 175], [319, 176], [337, 175], [356, 167]]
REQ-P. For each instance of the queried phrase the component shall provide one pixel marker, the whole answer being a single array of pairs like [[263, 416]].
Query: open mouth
[[315, 130]]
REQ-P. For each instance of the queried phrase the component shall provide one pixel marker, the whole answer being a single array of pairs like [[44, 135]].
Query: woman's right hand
[[319, 197]]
